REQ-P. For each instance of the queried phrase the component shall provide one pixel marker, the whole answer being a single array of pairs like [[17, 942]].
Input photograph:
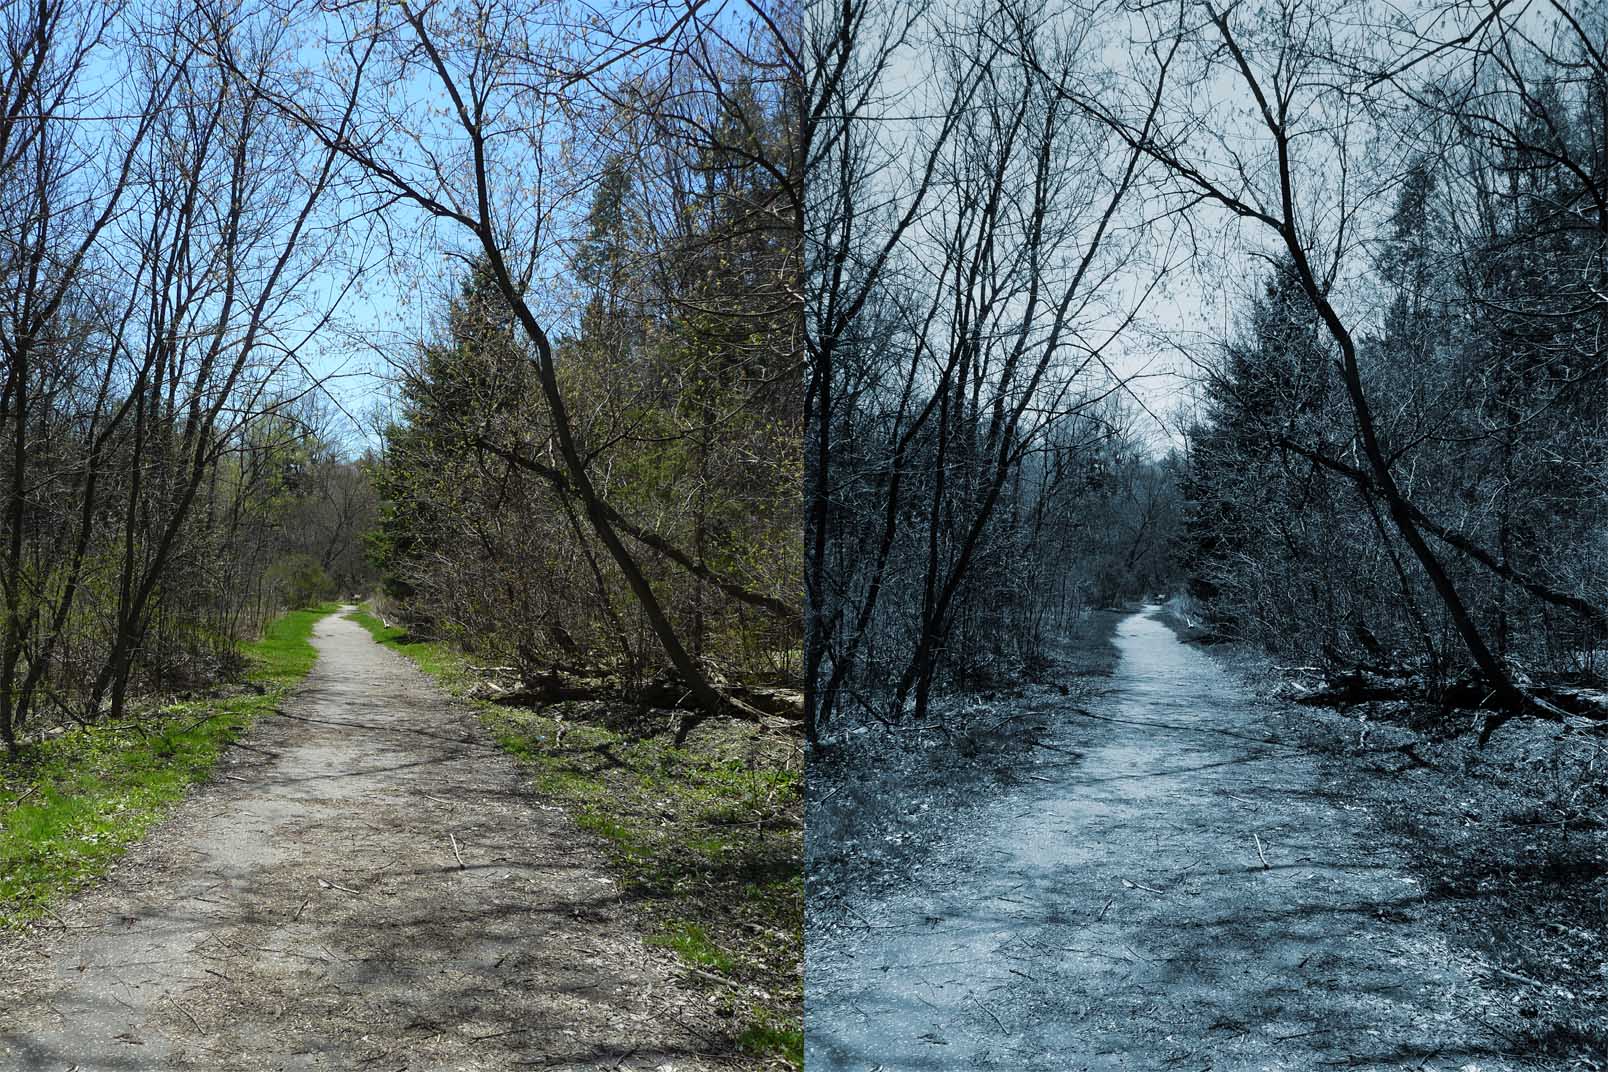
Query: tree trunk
[[597, 514], [1401, 512]]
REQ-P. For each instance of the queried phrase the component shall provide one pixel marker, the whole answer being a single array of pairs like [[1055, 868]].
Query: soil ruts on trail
[[366, 883], [1164, 886]]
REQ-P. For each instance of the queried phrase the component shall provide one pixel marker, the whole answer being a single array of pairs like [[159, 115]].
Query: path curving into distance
[[307, 909], [1173, 894]]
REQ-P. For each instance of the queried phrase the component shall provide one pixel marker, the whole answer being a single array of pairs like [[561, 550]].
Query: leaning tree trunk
[[597, 513], [1507, 695]]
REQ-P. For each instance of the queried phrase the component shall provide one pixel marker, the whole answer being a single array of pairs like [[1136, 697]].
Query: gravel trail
[[1163, 887], [366, 883]]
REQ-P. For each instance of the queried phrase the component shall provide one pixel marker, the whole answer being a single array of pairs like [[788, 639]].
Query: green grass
[[694, 946], [285, 654], [707, 838], [72, 803], [763, 1037]]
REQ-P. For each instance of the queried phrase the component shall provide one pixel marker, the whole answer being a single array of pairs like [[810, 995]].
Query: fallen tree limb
[[337, 886], [31, 791], [1579, 708], [1344, 690], [747, 702]]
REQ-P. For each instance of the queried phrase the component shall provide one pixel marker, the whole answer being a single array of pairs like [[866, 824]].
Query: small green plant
[[694, 945], [764, 1037]]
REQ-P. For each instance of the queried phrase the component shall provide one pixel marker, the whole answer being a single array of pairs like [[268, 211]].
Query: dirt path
[[1163, 889], [309, 910]]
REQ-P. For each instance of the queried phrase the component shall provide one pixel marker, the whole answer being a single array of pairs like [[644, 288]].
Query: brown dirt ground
[[365, 884], [1161, 882]]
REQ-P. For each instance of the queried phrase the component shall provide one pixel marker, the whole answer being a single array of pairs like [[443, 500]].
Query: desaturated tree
[[1424, 195], [965, 230]]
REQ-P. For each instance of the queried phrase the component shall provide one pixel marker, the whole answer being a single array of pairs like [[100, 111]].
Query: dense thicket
[[594, 468], [1472, 546], [153, 416]]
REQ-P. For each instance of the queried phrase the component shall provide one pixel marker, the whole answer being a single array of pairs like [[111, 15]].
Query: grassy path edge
[[72, 803]]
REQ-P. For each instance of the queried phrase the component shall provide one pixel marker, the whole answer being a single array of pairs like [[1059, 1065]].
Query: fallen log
[[1345, 690], [748, 702], [1586, 703], [543, 690], [782, 703], [1581, 708]]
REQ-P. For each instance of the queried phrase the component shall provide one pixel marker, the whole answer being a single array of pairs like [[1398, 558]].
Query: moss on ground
[[706, 838], [71, 803]]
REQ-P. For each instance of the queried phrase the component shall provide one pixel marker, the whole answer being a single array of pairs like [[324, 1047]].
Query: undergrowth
[[706, 839], [1510, 843], [72, 802]]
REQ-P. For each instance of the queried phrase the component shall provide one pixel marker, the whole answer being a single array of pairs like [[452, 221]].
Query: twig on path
[[461, 865], [1187, 870], [71, 926], [979, 1003], [1142, 886], [1516, 977], [187, 1014], [1265, 865], [336, 886], [713, 978]]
